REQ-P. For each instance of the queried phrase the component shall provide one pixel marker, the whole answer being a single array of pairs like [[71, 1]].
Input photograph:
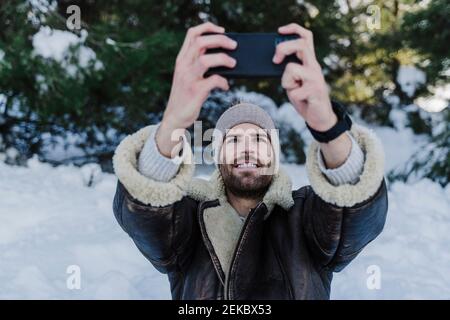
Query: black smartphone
[[253, 54]]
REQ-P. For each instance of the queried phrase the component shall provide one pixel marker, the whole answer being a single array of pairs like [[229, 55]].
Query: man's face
[[245, 157]]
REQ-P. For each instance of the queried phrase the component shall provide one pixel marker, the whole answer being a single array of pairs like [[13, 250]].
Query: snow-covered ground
[[50, 221]]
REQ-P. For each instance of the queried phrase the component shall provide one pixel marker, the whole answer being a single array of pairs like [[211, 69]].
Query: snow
[[287, 114], [57, 148], [438, 101], [43, 5], [410, 78], [54, 44], [392, 99], [51, 222], [412, 251], [399, 145], [39, 9], [399, 118], [256, 98]]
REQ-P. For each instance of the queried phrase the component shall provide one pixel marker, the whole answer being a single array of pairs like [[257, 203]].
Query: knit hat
[[246, 113]]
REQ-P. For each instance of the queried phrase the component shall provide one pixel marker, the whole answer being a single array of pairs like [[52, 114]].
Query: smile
[[246, 165]]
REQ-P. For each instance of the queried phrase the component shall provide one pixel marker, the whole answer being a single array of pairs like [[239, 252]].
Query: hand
[[307, 91], [189, 88], [304, 83]]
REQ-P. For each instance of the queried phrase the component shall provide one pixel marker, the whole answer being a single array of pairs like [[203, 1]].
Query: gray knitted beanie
[[245, 113]]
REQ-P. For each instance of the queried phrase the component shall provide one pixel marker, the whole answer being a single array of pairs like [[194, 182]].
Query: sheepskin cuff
[[154, 165], [348, 195], [147, 190]]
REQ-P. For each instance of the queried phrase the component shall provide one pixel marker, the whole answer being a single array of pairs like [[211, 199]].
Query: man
[[245, 234]]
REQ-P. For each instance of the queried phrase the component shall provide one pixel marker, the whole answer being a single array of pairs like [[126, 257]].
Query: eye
[[260, 138]]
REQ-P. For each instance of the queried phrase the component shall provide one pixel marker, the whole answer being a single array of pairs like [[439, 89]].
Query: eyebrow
[[252, 134], [262, 134]]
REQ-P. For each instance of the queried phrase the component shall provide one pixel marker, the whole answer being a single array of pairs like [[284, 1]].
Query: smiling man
[[244, 234]]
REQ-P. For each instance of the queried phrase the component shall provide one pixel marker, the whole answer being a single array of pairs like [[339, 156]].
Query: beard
[[245, 184]]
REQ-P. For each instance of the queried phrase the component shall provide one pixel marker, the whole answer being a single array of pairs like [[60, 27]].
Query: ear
[[217, 145], [275, 143]]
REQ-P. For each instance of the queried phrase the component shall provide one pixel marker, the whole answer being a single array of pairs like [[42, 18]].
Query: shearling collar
[[279, 192], [222, 223]]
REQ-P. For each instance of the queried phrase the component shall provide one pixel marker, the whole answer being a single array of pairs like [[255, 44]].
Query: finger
[[214, 41], [297, 29], [204, 28], [300, 94], [206, 61], [214, 81], [297, 47], [293, 74], [193, 32]]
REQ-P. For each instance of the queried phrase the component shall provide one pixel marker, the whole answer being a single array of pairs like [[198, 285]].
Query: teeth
[[246, 165]]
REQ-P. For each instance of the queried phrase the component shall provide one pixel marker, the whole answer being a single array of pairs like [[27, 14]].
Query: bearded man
[[244, 234]]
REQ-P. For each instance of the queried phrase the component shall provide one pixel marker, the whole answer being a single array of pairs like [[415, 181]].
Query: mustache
[[251, 159], [246, 159]]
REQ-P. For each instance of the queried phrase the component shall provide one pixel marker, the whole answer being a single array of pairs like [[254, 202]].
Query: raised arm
[[150, 203], [345, 207]]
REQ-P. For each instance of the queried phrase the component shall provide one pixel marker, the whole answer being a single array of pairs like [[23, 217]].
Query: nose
[[248, 150], [249, 146], [248, 154], [245, 154]]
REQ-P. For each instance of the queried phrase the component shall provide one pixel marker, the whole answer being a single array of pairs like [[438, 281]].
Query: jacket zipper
[[236, 249]]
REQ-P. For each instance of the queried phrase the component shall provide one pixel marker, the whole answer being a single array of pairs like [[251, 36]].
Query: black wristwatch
[[344, 123]]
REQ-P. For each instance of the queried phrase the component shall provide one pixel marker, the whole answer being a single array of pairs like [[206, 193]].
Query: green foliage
[[137, 41], [128, 92], [428, 32]]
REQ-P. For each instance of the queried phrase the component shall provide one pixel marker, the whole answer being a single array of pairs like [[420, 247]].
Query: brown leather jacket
[[288, 247]]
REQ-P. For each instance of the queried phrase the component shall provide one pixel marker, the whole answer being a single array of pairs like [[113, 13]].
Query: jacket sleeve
[[339, 221], [157, 215]]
